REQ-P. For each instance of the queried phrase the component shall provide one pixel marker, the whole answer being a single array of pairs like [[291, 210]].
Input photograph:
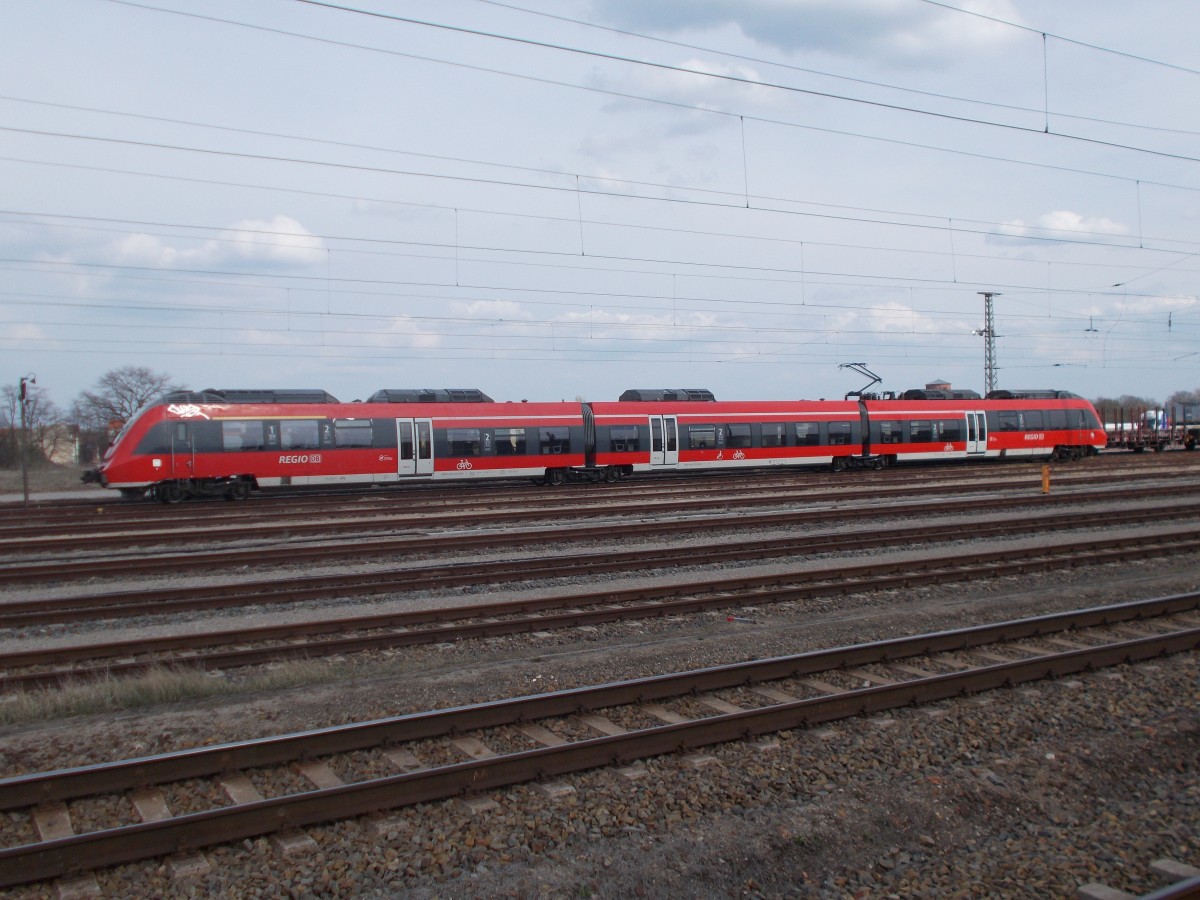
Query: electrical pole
[[989, 343], [22, 397]]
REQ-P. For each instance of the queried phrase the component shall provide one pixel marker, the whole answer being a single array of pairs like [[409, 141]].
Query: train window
[[950, 430], [510, 441], [808, 434], [383, 433], [353, 433], [626, 437], [406, 440], [839, 433], [156, 440], [556, 439], [890, 432], [1033, 420], [299, 434], [463, 441], [242, 436], [774, 434], [1007, 420], [922, 431], [701, 437], [1056, 419], [206, 437], [739, 436]]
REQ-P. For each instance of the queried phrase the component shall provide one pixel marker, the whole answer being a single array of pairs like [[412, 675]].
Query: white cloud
[[899, 30], [734, 86], [1064, 220], [280, 241]]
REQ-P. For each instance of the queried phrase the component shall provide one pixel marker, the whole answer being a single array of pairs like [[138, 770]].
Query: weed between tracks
[[156, 687]]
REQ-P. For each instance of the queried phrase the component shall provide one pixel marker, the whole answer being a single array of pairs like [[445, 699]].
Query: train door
[[664, 442], [183, 450], [976, 432], [414, 441]]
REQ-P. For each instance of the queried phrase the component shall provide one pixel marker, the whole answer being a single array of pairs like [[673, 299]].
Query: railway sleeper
[[486, 769]]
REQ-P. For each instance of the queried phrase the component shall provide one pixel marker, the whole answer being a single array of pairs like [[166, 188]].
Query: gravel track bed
[[1028, 792], [193, 796], [137, 628], [1086, 505], [1022, 793]]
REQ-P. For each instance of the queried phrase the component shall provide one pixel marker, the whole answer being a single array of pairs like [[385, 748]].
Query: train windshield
[[129, 424]]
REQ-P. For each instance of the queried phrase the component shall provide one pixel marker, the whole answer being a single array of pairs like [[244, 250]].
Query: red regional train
[[231, 442]]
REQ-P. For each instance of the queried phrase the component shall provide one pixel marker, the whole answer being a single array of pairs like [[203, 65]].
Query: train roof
[[429, 395], [251, 395], [659, 394], [1033, 394], [939, 394]]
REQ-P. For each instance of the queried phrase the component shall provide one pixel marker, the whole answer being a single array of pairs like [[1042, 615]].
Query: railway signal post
[[23, 399]]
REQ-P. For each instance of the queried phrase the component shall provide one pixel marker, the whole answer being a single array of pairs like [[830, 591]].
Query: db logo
[[464, 464]]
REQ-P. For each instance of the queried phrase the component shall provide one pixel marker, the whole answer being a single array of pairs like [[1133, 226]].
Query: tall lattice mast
[[989, 342]]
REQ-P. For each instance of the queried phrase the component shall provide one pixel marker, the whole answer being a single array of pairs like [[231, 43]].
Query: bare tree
[[116, 396], [49, 436]]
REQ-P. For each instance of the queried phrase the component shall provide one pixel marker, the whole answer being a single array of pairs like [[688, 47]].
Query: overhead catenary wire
[[735, 79], [516, 256]]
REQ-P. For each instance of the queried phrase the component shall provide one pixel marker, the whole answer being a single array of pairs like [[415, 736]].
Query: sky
[[563, 200]]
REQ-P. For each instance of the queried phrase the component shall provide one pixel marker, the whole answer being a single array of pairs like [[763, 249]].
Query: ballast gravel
[[1024, 792], [1028, 792]]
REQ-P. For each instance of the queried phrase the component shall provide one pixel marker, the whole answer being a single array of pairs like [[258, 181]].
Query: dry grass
[[157, 687], [43, 479]]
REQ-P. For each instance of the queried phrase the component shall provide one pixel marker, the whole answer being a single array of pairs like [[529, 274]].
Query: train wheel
[[239, 491], [839, 464], [879, 464], [554, 476], [170, 492], [611, 474]]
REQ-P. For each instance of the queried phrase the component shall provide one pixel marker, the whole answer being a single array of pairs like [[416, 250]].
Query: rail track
[[412, 578], [442, 754], [570, 608], [45, 526], [464, 530]]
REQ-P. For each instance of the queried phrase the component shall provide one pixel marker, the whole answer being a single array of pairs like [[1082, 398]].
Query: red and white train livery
[[231, 442]]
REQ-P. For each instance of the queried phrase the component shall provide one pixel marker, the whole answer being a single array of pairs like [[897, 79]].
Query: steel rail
[[106, 507], [395, 630], [359, 519], [62, 856], [63, 784], [65, 570], [167, 601]]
